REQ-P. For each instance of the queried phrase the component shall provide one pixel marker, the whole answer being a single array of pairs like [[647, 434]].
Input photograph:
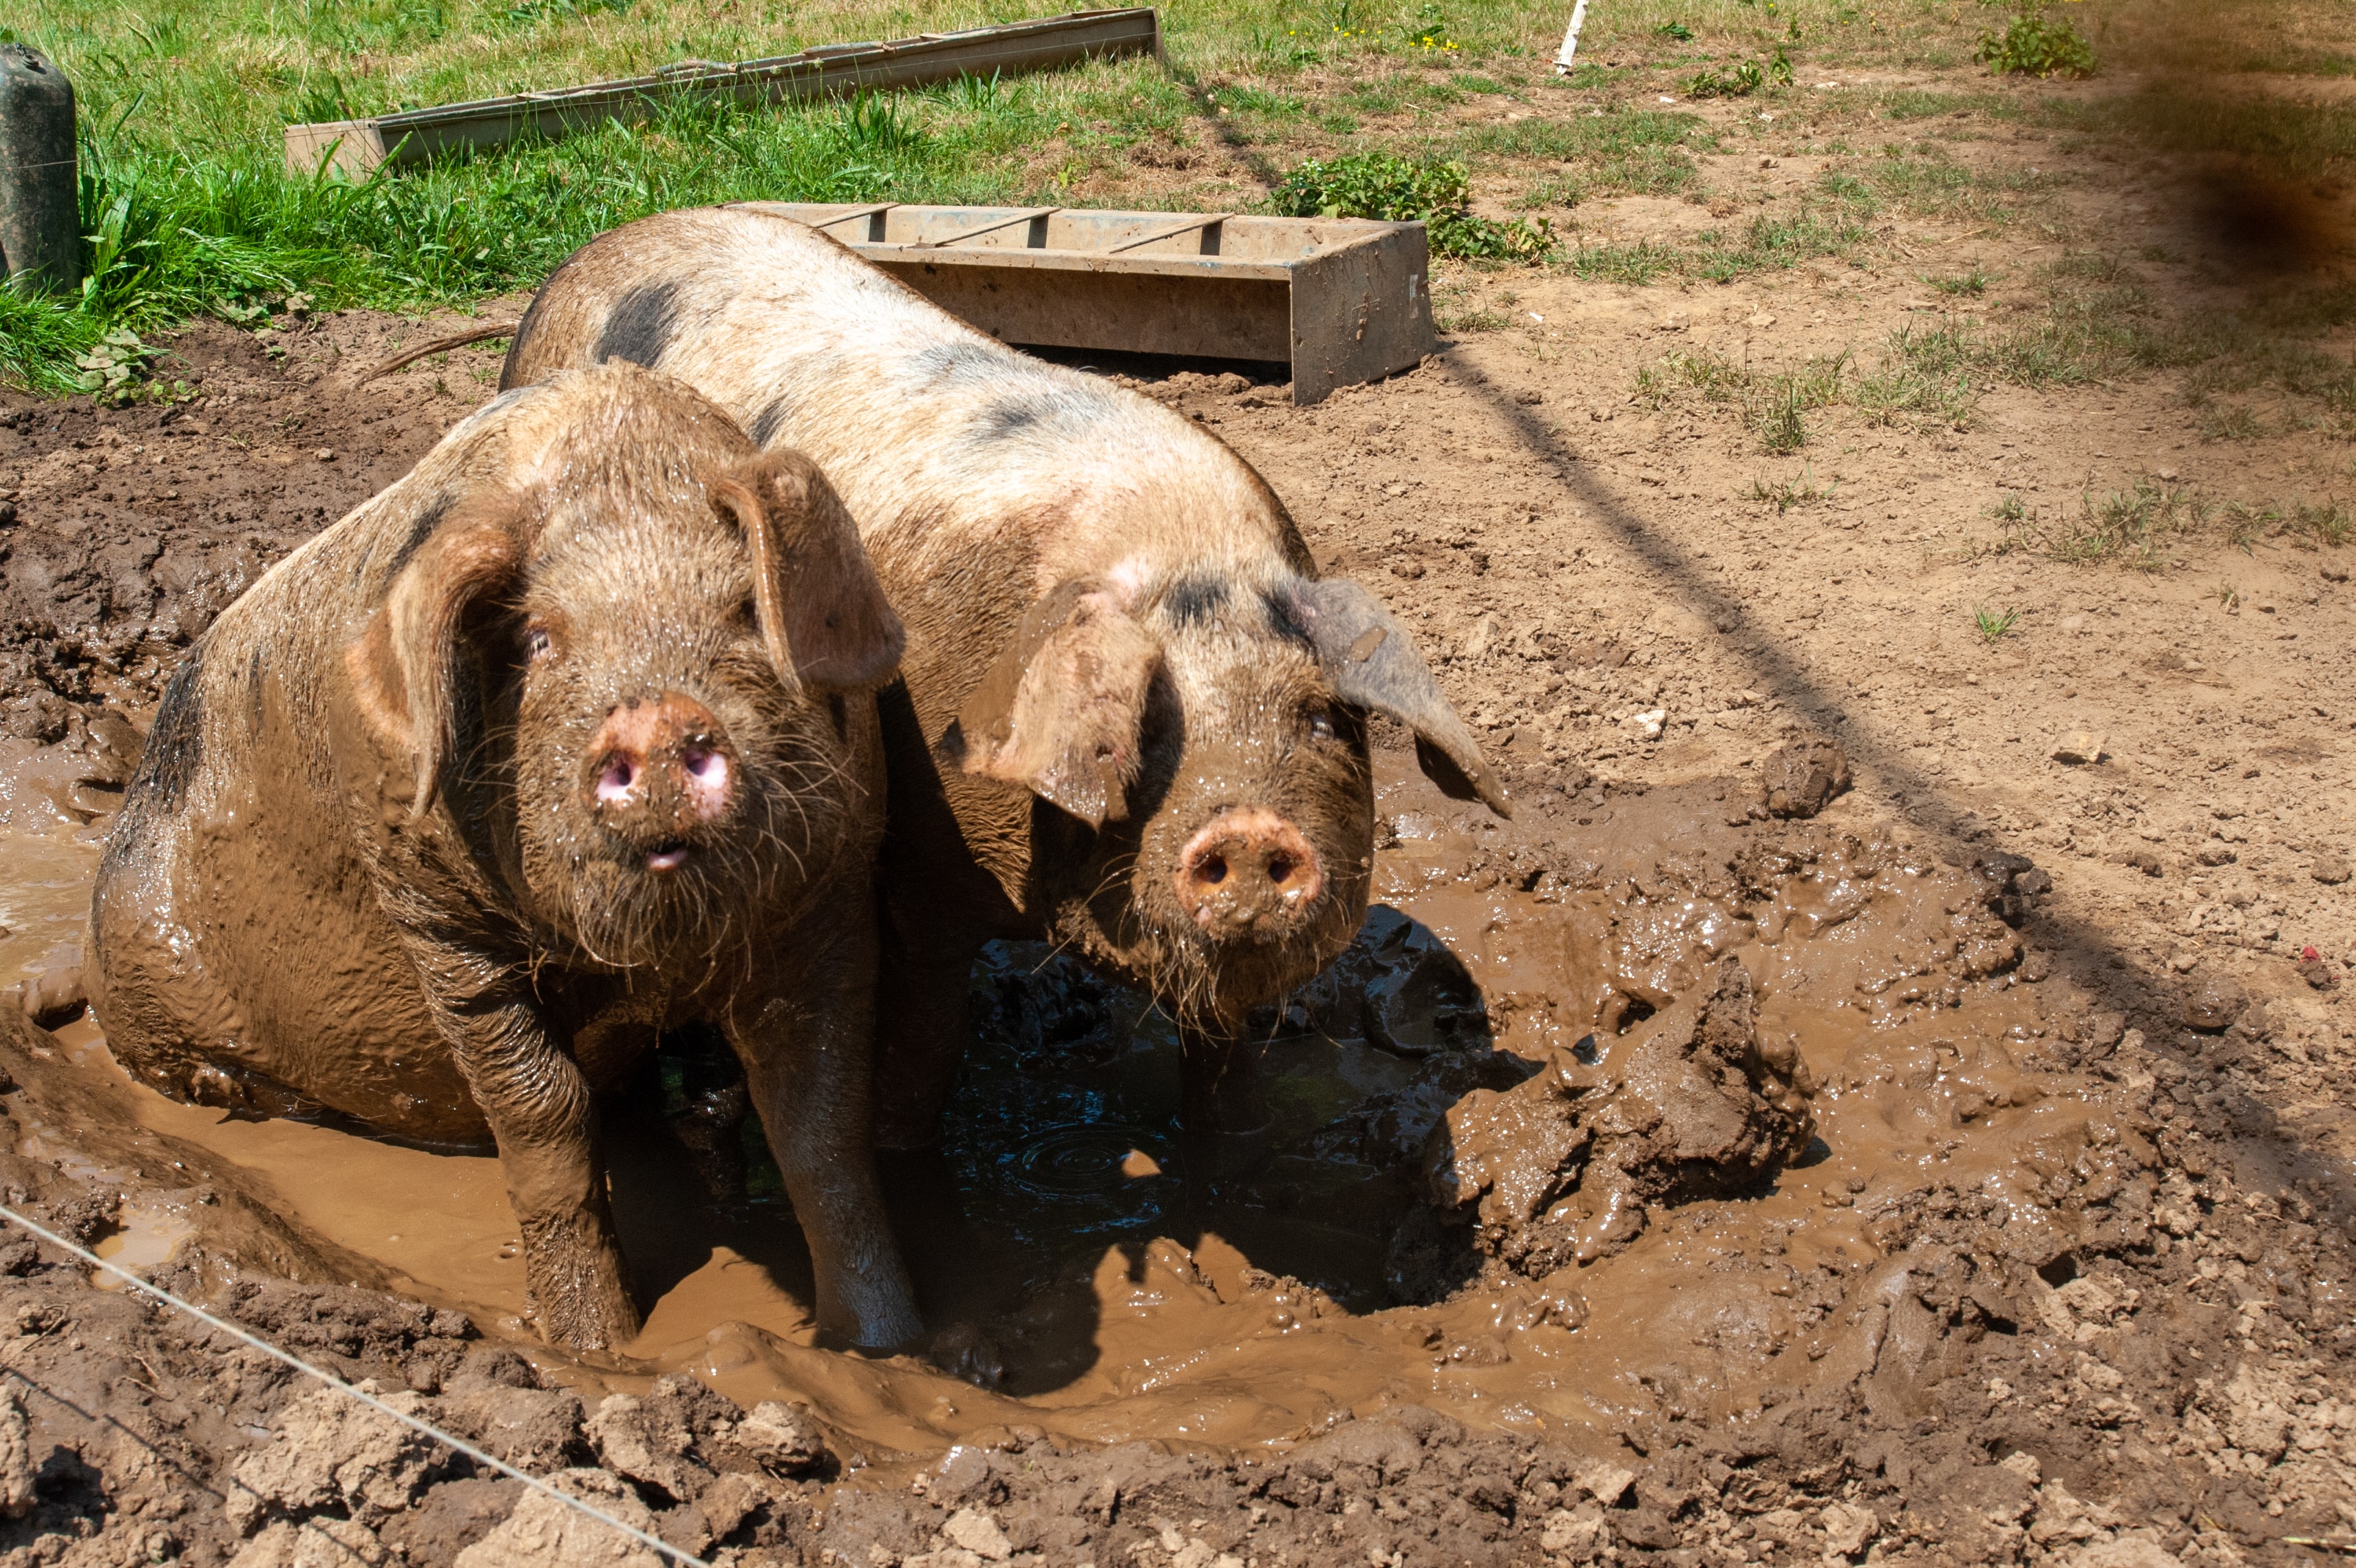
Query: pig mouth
[[668, 855]]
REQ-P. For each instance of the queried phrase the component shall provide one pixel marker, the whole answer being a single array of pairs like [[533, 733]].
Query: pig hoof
[[964, 1352]]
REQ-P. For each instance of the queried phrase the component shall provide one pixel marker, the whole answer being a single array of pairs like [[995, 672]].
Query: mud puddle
[[1587, 1131]]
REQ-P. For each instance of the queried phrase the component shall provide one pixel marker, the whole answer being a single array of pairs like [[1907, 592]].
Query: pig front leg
[[541, 1112], [805, 1036]]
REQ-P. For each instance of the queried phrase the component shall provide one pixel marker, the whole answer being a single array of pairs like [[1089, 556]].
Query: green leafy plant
[[1436, 192], [1742, 79], [110, 368], [2035, 42], [1993, 625], [1676, 30], [1429, 30]]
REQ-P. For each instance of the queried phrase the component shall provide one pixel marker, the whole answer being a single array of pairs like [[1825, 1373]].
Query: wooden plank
[[826, 70]]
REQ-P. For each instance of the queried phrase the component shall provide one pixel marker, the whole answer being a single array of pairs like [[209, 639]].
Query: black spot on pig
[[1194, 600], [643, 322], [1013, 417], [765, 422], [951, 365], [419, 532]]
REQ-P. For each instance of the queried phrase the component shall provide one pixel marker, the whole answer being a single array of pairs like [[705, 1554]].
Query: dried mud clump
[[681, 1460], [1561, 1169], [1801, 778]]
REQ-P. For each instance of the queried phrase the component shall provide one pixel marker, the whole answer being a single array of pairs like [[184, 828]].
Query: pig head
[[1203, 743]]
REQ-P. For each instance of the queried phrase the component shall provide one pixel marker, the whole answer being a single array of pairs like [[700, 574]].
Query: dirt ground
[[2037, 1032]]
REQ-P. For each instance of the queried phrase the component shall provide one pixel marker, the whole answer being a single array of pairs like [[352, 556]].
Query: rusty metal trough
[[1339, 300], [355, 148]]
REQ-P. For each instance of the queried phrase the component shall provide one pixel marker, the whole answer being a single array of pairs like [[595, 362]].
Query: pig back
[[943, 442]]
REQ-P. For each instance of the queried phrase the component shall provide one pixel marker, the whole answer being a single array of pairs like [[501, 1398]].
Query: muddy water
[[47, 859], [1137, 1282]]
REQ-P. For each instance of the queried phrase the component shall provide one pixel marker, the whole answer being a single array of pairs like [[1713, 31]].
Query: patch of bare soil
[[1824, 1123]]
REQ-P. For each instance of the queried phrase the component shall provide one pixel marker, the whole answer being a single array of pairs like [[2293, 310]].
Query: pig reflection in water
[[565, 738], [1133, 716]]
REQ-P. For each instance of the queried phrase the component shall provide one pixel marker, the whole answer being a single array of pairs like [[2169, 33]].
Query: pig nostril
[[1280, 868], [614, 782], [707, 766], [1211, 869]]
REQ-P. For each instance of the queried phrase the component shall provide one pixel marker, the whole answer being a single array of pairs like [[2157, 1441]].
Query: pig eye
[[535, 643], [1320, 723]]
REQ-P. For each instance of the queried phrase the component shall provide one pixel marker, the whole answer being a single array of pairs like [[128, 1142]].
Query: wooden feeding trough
[[1339, 300], [357, 147]]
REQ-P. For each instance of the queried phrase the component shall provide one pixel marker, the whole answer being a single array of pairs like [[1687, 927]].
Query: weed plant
[[1994, 625], [1436, 191], [1743, 78], [2034, 42]]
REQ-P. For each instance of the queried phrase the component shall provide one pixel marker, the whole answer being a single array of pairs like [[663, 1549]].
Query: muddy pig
[[566, 738], [1133, 715]]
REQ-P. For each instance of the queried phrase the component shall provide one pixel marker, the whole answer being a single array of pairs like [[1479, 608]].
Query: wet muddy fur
[[1132, 715], [560, 741]]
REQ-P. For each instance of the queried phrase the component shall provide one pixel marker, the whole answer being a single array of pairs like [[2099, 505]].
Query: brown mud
[[1709, 1162]]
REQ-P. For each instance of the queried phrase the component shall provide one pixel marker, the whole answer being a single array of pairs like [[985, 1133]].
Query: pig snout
[[1248, 873], [659, 766]]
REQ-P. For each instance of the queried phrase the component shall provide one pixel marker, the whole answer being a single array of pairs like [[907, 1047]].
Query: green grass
[[2100, 323], [1783, 495], [2143, 526], [2135, 527], [1994, 625], [1774, 405], [182, 103], [189, 210]]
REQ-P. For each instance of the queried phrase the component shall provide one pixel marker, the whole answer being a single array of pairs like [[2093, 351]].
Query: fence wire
[[220, 1326]]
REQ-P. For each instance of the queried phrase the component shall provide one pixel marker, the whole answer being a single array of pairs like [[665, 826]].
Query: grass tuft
[[1785, 494], [1994, 625]]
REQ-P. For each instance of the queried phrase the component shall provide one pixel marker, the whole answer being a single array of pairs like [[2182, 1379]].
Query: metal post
[[40, 213], [1562, 62]]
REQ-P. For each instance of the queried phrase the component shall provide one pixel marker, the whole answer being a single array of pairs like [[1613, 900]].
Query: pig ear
[[821, 611], [1060, 711], [404, 663], [1374, 664]]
